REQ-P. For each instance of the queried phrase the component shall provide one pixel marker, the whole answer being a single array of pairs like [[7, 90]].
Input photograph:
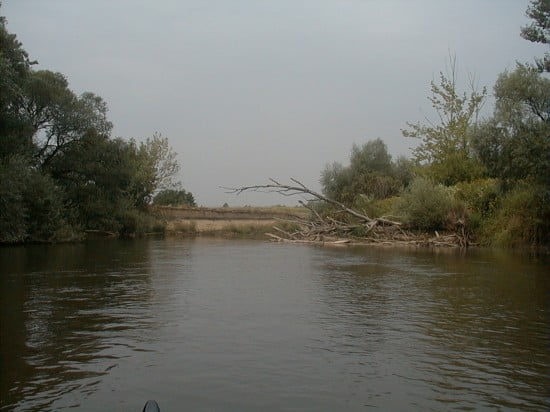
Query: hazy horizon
[[248, 90]]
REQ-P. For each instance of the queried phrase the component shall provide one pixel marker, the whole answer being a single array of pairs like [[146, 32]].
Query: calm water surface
[[204, 325]]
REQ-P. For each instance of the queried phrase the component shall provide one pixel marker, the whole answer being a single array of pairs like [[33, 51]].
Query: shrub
[[480, 196], [31, 205], [134, 222], [522, 218], [376, 207], [425, 205]]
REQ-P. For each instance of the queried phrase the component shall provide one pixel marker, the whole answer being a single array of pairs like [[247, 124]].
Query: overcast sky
[[251, 89]]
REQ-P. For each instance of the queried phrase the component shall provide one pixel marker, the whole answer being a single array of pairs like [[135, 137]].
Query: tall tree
[[156, 165], [445, 144], [539, 29], [515, 142], [15, 67], [55, 116]]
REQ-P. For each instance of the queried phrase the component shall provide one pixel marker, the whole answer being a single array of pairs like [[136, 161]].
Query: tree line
[[61, 171], [490, 174]]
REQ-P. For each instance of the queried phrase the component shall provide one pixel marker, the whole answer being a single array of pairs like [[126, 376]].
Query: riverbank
[[276, 224], [251, 222]]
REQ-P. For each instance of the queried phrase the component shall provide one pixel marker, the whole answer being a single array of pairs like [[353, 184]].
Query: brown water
[[243, 325]]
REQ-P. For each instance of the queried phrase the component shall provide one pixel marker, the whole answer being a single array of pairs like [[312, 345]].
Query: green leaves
[[515, 143], [174, 198], [445, 147], [58, 165], [371, 174], [539, 30]]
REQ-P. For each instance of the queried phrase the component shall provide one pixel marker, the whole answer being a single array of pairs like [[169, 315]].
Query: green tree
[[373, 156], [96, 173], [445, 148], [31, 203], [15, 67], [106, 178], [335, 179], [59, 168], [515, 142], [155, 167], [174, 198], [56, 117], [370, 175], [539, 29]]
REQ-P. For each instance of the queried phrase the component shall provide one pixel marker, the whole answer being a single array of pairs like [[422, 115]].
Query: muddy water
[[243, 325]]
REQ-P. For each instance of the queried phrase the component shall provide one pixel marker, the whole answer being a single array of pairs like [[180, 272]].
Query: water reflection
[[66, 313]]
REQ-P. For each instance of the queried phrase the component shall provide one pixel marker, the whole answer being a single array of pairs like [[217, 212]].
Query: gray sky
[[251, 89]]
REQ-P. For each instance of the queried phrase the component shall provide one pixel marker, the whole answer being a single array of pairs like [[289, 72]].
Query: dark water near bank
[[243, 325]]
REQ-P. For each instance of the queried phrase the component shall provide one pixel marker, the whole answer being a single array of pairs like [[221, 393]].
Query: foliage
[[155, 166], [376, 207], [373, 156], [60, 171], [445, 146], [13, 214], [522, 218], [31, 204], [539, 29], [480, 196], [371, 173], [515, 142], [425, 205], [335, 179], [174, 198]]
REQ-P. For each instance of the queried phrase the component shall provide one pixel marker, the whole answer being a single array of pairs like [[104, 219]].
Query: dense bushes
[[521, 218], [425, 205], [31, 204]]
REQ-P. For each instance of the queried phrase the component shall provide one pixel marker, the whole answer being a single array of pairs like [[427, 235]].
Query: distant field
[[226, 220], [230, 213]]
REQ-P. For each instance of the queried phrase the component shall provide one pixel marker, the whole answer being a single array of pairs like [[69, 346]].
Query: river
[[211, 324]]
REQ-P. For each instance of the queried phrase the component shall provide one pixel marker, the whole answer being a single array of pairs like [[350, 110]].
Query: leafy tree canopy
[[371, 174], [515, 142], [60, 171], [539, 29], [445, 146], [174, 197]]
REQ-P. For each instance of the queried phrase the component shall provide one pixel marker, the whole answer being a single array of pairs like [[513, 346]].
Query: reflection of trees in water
[[64, 309]]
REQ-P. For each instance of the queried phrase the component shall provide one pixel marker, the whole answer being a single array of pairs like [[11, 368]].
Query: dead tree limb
[[320, 229], [300, 188]]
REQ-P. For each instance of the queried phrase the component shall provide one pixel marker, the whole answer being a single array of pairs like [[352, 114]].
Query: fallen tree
[[346, 225]]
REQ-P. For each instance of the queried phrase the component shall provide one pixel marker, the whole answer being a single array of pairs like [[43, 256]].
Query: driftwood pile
[[348, 226]]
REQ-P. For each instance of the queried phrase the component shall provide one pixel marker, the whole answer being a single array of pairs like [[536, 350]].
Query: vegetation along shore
[[470, 180]]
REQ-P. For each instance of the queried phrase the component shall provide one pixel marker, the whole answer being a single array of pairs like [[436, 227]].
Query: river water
[[206, 324]]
